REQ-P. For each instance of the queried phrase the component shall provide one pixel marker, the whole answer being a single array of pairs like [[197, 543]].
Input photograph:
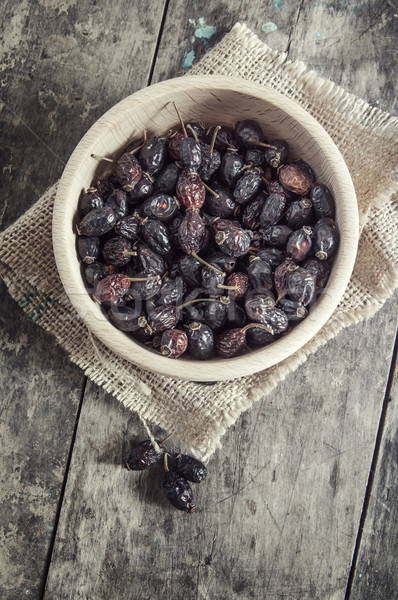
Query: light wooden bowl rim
[[216, 369]]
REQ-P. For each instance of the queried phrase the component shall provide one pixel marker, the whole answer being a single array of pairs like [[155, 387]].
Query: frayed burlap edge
[[199, 415]]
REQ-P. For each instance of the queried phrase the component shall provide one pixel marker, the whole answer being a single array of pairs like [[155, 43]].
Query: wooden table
[[301, 500]]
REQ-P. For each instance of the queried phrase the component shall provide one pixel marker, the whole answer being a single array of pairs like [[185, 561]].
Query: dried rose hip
[[190, 154], [277, 235], [178, 492], [143, 456], [171, 292], [145, 286], [167, 179], [148, 260], [97, 222], [276, 156], [297, 177], [152, 154], [191, 468], [231, 168], [117, 201], [88, 248], [117, 251], [191, 232], [295, 311], [160, 207], [319, 269], [326, 238], [238, 284], [90, 200], [127, 318], [162, 318], [190, 190], [111, 288], [301, 286], [129, 226], [94, 272], [260, 274], [299, 243], [248, 133], [156, 236], [173, 343], [143, 189], [128, 171], [200, 340], [231, 239], [215, 313], [252, 211], [222, 205], [258, 309], [273, 209], [299, 213], [322, 201], [247, 186], [281, 275]]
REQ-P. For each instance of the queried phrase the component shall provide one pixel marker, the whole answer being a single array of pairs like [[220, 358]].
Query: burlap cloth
[[199, 414]]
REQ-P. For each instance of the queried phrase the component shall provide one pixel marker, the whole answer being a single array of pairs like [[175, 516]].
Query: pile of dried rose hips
[[207, 241], [176, 478]]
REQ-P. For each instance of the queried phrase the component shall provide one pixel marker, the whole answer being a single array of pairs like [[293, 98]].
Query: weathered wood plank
[[375, 576], [39, 402], [63, 65], [233, 547], [278, 513]]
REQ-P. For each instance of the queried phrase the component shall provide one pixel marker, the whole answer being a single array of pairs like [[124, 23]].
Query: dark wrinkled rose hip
[[128, 171], [162, 318], [301, 286], [326, 238], [190, 190], [299, 243], [173, 343], [191, 468], [88, 248], [143, 456], [111, 288], [191, 232], [97, 222], [178, 492], [200, 340]]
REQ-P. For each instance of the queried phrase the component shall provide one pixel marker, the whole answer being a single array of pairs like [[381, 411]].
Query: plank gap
[[155, 54], [373, 467], [62, 493]]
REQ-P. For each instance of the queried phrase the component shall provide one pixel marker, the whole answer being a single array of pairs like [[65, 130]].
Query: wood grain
[[278, 512], [67, 62], [375, 576], [63, 65]]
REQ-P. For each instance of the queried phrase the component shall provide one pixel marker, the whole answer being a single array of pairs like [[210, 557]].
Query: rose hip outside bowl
[[212, 100]]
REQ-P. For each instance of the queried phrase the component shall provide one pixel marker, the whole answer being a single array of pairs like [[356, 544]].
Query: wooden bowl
[[213, 100]]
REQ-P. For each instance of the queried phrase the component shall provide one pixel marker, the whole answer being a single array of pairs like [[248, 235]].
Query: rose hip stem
[[181, 306], [210, 190], [97, 157], [180, 119], [208, 264], [166, 465], [157, 277], [227, 287], [195, 137], [264, 145], [260, 325], [213, 139]]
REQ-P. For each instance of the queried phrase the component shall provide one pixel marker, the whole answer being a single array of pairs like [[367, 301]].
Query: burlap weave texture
[[198, 414]]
